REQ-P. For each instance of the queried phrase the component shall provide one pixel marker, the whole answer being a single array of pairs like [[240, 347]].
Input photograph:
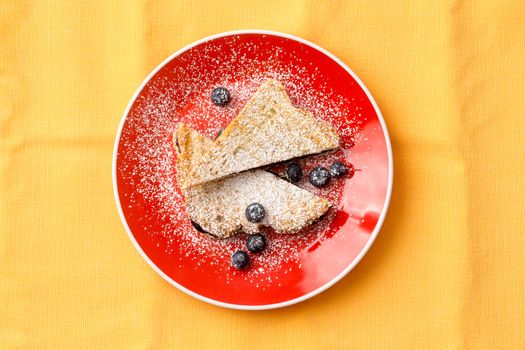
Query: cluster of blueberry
[[319, 176], [255, 244]]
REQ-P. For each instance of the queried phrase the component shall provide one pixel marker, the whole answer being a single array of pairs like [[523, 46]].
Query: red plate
[[293, 267]]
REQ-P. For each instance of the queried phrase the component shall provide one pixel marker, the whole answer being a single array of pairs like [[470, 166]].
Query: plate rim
[[325, 286]]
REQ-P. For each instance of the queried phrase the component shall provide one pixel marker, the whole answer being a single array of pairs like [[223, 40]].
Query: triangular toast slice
[[218, 207], [269, 129]]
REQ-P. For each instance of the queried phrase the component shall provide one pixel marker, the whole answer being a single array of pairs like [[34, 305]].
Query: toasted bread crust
[[189, 146]]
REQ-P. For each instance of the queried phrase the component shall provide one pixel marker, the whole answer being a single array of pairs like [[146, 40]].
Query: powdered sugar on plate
[[182, 94]]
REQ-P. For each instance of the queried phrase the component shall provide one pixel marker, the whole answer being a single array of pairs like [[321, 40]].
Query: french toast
[[269, 129], [218, 207]]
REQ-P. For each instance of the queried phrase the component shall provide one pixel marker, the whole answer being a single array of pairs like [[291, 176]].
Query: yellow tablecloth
[[447, 270]]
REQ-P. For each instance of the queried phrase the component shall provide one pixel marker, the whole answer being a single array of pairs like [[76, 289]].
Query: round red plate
[[293, 267]]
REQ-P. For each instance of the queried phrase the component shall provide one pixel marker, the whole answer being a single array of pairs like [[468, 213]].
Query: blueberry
[[256, 243], [255, 213], [220, 96], [240, 259], [319, 176], [293, 172], [338, 169]]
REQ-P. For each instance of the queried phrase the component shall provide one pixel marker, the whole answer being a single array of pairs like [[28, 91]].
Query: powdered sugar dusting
[[182, 94]]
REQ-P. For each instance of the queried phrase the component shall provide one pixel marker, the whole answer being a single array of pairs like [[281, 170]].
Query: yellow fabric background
[[447, 270]]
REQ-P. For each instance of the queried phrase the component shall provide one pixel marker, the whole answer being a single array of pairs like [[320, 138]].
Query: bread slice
[[269, 129], [218, 207]]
